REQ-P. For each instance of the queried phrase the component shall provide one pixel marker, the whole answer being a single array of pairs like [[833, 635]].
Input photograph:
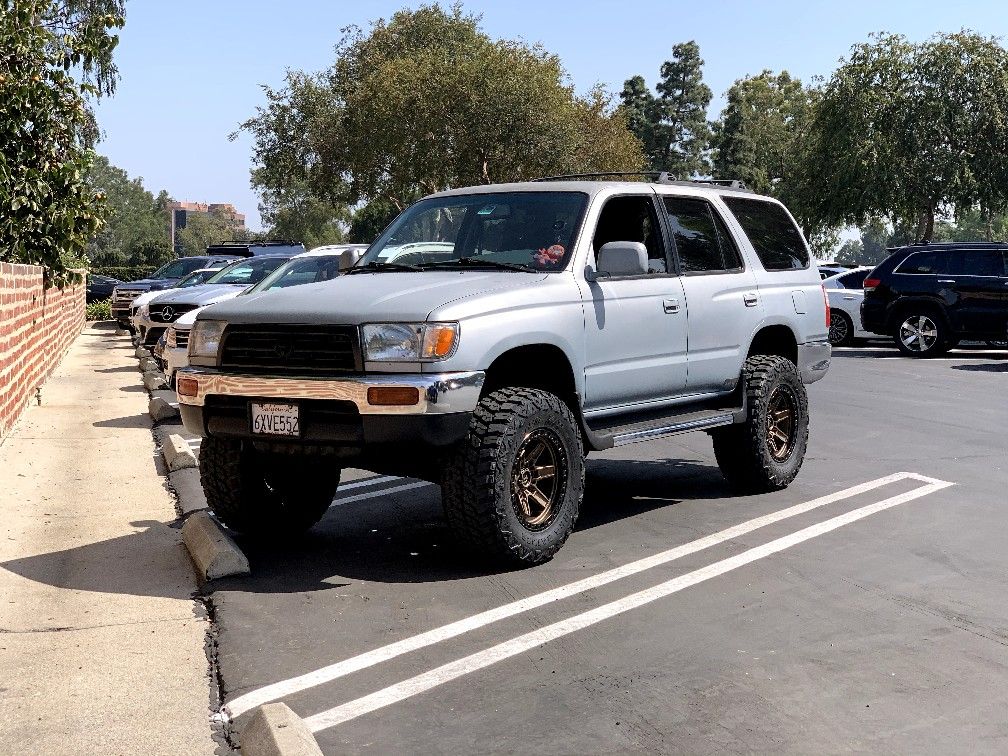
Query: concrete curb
[[163, 405], [177, 454], [140, 353], [274, 730], [189, 490], [153, 380], [213, 551], [147, 364], [122, 332]]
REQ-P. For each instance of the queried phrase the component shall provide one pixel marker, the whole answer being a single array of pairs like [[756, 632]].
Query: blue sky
[[191, 71]]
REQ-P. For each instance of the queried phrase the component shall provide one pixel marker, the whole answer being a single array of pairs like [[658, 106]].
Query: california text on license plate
[[275, 419]]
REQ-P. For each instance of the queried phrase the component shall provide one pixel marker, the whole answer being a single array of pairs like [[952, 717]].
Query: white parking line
[[324, 675], [372, 481], [383, 492], [489, 656]]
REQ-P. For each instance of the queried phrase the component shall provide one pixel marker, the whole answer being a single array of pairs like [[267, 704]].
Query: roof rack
[[659, 177], [253, 243]]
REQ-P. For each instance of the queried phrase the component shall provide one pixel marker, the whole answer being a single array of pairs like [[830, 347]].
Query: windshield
[[534, 229], [300, 270], [179, 268], [247, 272], [196, 277]]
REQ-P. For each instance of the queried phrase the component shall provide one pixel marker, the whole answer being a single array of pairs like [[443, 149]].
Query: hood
[[369, 297], [200, 295], [186, 320], [148, 284], [145, 298]]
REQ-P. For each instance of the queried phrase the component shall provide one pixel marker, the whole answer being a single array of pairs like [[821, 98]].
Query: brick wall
[[37, 327]]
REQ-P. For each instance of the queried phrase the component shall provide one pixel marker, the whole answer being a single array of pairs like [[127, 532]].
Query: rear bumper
[[874, 318], [813, 360]]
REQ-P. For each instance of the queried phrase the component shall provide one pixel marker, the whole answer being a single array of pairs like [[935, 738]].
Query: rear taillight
[[871, 283], [825, 297]]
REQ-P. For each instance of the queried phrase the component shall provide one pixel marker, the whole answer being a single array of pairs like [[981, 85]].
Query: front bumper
[[336, 410], [175, 359], [813, 360]]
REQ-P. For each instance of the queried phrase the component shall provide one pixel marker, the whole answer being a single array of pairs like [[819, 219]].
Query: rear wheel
[[513, 488], [259, 494], [766, 452], [841, 330], [922, 333]]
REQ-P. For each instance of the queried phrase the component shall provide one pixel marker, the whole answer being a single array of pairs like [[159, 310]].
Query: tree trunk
[[925, 225], [989, 218]]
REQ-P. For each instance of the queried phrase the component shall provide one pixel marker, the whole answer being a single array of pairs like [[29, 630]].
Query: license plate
[[275, 419]]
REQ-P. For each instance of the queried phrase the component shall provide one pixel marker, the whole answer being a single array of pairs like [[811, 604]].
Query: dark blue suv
[[928, 297]]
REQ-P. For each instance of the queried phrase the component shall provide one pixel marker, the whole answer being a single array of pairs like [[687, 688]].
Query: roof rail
[[253, 243], [659, 177]]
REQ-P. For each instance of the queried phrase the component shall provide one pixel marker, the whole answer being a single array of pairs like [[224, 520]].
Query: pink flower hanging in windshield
[[550, 255]]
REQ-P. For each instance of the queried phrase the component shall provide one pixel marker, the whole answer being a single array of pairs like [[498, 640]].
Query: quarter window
[[774, 236], [925, 263], [702, 240]]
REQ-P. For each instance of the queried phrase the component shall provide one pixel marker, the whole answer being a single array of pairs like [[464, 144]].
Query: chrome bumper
[[813, 360], [440, 393]]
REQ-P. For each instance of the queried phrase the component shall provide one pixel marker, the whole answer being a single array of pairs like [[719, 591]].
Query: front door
[[981, 291], [635, 326]]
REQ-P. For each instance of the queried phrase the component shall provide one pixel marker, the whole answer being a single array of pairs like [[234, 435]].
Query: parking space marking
[[278, 690], [373, 494], [501, 651], [372, 481]]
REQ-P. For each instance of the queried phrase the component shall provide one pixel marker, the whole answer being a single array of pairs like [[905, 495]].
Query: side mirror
[[622, 258]]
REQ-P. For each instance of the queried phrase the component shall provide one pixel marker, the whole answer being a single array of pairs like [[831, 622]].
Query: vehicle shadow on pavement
[[143, 563], [130, 421], [118, 369], [405, 539], [990, 367]]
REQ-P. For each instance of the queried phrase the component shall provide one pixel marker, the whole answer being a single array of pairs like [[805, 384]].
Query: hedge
[[124, 273]]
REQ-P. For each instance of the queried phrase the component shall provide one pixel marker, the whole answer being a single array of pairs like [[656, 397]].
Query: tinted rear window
[[854, 280], [774, 236]]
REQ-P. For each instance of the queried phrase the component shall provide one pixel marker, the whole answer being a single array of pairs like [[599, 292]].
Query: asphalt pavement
[[860, 609]]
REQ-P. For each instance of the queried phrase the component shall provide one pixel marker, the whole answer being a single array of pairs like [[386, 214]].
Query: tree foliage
[[48, 212], [672, 125], [908, 131], [203, 229], [136, 225], [423, 102]]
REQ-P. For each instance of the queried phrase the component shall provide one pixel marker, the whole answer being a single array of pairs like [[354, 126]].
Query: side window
[[774, 236], [854, 280], [632, 219], [926, 263], [702, 240], [980, 262]]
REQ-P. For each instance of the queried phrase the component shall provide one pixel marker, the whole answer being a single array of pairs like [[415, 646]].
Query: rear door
[[981, 288], [722, 298]]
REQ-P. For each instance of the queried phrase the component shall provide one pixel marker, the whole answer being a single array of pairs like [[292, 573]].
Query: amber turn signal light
[[187, 387], [387, 396]]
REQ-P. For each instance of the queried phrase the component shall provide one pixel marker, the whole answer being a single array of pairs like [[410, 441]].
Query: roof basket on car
[[658, 177], [254, 243]]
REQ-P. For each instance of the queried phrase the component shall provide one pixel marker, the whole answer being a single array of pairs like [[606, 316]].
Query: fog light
[[187, 387], [385, 396]]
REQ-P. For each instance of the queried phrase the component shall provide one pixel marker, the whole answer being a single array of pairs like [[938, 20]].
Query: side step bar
[[648, 434]]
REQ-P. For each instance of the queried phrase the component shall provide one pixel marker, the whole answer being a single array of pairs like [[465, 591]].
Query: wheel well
[[902, 308], [777, 340], [540, 366]]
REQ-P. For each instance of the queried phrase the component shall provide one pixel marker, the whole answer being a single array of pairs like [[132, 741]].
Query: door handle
[[848, 296], [671, 306], [750, 299], [946, 280]]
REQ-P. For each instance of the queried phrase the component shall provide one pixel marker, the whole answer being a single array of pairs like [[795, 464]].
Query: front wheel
[[766, 452], [922, 334], [265, 494], [512, 489]]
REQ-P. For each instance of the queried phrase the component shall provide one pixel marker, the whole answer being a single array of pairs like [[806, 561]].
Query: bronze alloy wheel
[[782, 411], [538, 479]]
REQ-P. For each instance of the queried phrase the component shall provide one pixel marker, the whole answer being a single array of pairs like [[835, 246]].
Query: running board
[[648, 434], [630, 429]]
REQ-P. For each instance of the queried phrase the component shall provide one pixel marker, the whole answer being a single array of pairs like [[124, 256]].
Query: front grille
[[291, 349], [125, 296], [169, 313], [181, 339]]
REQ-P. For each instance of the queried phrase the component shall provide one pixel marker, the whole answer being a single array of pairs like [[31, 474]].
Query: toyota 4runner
[[492, 336]]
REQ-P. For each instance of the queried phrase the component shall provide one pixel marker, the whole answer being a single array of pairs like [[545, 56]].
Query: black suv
[[928, 297]]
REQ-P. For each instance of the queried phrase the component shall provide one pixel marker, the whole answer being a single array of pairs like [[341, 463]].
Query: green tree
[[910, 131], [298, 215], [55, 58], [136, 224], [672, 125], [202, 230], [427, 101], [370, 220]]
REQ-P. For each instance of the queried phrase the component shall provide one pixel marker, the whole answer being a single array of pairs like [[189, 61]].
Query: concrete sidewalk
[[101, 643]]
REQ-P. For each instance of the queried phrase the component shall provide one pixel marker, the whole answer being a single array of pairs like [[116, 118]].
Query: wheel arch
[[774, 339], [542, 366], [903, 305]]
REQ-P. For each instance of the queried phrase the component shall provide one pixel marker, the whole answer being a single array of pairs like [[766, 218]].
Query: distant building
[[180, 212]]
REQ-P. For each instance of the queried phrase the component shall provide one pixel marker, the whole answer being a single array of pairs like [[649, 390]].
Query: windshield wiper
[[376, 266], [481, 262]]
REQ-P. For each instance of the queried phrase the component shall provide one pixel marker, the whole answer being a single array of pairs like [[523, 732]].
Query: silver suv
[[493, 336]]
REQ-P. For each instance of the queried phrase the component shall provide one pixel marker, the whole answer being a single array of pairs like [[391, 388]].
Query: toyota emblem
[[166, 314]]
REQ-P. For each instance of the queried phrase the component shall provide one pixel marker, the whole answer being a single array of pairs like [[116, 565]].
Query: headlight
[[205, 338], [409, 342]]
